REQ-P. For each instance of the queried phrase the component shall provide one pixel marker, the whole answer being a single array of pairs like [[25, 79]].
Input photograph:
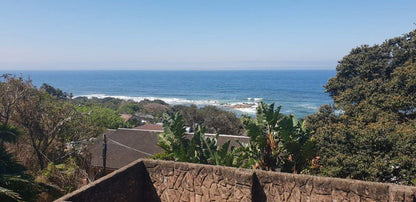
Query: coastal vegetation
[[196, 149], [36, 130], [44, 132], [212, 118], [367, 133], [277, 141], [106, 112]]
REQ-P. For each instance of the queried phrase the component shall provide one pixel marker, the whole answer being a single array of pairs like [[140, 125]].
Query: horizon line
[[288, 68], [166, 70]]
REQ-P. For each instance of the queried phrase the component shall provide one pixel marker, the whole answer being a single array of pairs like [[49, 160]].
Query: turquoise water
[[298, 91]]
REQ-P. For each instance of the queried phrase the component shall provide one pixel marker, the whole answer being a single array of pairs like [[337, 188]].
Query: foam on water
[[239, 107], [245, 107], [171, 101], [250, 110], [309, 106]]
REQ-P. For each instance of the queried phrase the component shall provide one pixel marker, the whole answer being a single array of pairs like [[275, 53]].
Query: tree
[[217, 120], [367, 134], [44, 118], [101, 116], [15, 184], [213, 119], [55, 92], [12, 91], [129, 107], [47, 126], [189, 114], [378, 81]]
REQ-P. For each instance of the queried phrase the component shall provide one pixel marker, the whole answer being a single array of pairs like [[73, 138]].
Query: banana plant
[[277, 141], [265, 150], [298, 143], [173, 141], [217, 155], [195, 149]]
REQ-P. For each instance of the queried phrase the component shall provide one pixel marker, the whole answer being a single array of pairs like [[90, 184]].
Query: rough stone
[[152, 180]]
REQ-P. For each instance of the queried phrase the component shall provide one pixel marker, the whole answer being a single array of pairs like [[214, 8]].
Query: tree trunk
[[40, 159]]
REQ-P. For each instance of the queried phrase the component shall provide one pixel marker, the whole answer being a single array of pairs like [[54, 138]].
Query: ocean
[[299, 92]]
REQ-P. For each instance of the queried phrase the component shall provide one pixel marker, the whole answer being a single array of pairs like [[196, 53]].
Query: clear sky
[[202, 35]]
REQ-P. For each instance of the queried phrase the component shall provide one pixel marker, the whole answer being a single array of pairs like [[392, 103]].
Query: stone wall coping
[[291, 175], [334, 179], [197, 165]]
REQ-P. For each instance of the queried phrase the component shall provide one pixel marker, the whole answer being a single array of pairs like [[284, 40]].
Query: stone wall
[[152, 180], [196, 182]]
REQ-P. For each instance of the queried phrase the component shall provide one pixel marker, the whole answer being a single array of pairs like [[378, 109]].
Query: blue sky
[[202, 35]]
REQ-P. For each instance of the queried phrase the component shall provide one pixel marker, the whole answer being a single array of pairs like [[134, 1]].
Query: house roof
[[127, 145], [126, 117], [155, 127], [124, 146]]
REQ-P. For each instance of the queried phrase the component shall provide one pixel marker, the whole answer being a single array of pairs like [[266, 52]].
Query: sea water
[[299, 92]]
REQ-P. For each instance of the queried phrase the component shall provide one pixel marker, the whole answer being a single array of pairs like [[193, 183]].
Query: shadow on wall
[[130, 183], [149, 192], [257, 190]]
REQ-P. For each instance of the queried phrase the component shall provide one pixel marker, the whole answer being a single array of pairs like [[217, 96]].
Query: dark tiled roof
[[127, 145], [224, 138], [124, 146], [150, 127], [126, 117]]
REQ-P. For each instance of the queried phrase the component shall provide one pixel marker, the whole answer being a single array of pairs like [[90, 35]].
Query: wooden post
[[104, 153]]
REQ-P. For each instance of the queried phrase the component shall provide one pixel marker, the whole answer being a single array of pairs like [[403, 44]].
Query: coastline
[[299, 92]]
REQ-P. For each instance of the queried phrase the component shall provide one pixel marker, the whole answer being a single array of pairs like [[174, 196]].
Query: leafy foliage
[[107, 102], [66, 174], [44, 119], [195, 149], [55, 92], [213, 119], [369, 133], [298, 143], [42, 123], [129, 107], [265, 149], [15, 185], [8, 134], [101, 116], [12, 91], [276, 141]]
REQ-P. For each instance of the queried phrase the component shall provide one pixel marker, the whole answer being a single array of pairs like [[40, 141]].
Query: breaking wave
[[243, 106], [248, 107]]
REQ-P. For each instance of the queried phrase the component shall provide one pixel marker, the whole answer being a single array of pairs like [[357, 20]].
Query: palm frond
[[7, 194]]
